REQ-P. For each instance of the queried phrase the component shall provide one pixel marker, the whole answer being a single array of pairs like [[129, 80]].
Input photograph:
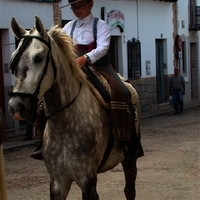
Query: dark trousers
[[132, 148], [124, 89], [177, 96]]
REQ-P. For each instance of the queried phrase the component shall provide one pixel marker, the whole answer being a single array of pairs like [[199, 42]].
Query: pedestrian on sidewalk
[[177, 90]]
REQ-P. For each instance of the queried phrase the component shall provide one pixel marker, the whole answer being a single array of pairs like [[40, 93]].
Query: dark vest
[[83, 49]]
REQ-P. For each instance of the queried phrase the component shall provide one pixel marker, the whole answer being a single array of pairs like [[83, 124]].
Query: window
[[134, 58], [194, 18]]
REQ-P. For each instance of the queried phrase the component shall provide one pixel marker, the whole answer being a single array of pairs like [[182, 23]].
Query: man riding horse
[[92, 40]]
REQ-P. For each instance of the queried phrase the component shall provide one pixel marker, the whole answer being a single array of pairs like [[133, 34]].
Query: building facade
[[168, 34], [142, 44], [149, 38], [188, 31]]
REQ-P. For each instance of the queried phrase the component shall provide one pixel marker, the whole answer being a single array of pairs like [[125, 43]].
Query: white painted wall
[[190, 36], [24, 12], [146, 21]]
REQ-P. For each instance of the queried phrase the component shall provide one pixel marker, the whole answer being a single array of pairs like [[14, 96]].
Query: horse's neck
[[61, 93]]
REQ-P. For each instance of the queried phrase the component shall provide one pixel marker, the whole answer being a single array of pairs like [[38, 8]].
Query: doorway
[[194, 70], [114, 52], [160, 78]]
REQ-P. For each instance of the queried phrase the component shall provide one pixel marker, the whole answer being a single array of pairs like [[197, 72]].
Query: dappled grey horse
[[78, 126]]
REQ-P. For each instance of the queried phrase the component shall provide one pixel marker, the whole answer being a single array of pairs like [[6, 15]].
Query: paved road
[[168, 171]]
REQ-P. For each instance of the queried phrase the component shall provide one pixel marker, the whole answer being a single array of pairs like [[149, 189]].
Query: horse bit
[[27, 39]]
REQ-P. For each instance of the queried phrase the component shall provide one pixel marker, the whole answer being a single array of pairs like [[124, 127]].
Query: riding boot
[[37, 154], [39, 131], [133, 149]]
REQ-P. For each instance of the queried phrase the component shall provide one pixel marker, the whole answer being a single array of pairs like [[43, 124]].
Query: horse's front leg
[[88, 187], [59, 191], [130, 172]]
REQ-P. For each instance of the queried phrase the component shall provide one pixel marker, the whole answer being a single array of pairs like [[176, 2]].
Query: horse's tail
[[3, 195]]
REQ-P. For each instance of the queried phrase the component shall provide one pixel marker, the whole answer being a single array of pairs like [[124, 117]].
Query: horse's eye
[[38, 59]]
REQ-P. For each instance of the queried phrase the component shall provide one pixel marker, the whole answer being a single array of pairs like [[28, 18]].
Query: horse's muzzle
[[19, 108]]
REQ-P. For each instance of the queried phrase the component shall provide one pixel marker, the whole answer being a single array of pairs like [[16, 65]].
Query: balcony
[[194, 18]]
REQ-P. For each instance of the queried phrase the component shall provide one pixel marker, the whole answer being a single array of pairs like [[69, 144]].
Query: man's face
[[176, 71], [82, 8]]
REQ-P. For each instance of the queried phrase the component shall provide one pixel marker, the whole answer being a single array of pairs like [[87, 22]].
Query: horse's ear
[[39, 27], [18, 30]]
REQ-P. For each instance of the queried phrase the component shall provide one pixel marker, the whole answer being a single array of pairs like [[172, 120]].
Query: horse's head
[[31, 66]]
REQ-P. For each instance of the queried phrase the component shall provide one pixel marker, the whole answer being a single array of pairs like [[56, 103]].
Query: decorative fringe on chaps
[[123, 121]]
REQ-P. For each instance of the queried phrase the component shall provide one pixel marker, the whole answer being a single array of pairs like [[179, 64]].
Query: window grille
[[194, 18], [134, 58]]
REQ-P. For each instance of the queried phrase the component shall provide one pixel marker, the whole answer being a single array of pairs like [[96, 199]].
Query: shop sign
[[116, 18]]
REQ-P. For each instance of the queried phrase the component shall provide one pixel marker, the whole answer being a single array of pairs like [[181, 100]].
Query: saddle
[[102, 91]]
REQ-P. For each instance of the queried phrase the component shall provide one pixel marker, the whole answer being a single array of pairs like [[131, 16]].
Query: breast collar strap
[[64, 107]]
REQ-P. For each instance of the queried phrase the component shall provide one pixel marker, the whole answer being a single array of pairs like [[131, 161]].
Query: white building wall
[[183, 16], [24, 12], [145, 20], [150, 29]]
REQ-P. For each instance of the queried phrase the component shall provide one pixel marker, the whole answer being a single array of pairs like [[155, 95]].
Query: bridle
[[27, 39]]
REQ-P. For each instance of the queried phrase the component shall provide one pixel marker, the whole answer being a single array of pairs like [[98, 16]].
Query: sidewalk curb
[[10, 146], [151, 115], [16, 142]]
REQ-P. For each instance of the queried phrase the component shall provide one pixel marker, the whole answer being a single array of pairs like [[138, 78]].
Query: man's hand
[[81, 61]]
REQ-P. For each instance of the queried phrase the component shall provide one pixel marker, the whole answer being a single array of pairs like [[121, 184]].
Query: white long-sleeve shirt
[[83, 34]]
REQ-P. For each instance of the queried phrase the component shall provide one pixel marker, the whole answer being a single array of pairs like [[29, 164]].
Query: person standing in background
[[177, 90]]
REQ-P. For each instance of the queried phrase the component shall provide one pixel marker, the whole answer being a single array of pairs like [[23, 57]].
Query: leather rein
[[27, 39]]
